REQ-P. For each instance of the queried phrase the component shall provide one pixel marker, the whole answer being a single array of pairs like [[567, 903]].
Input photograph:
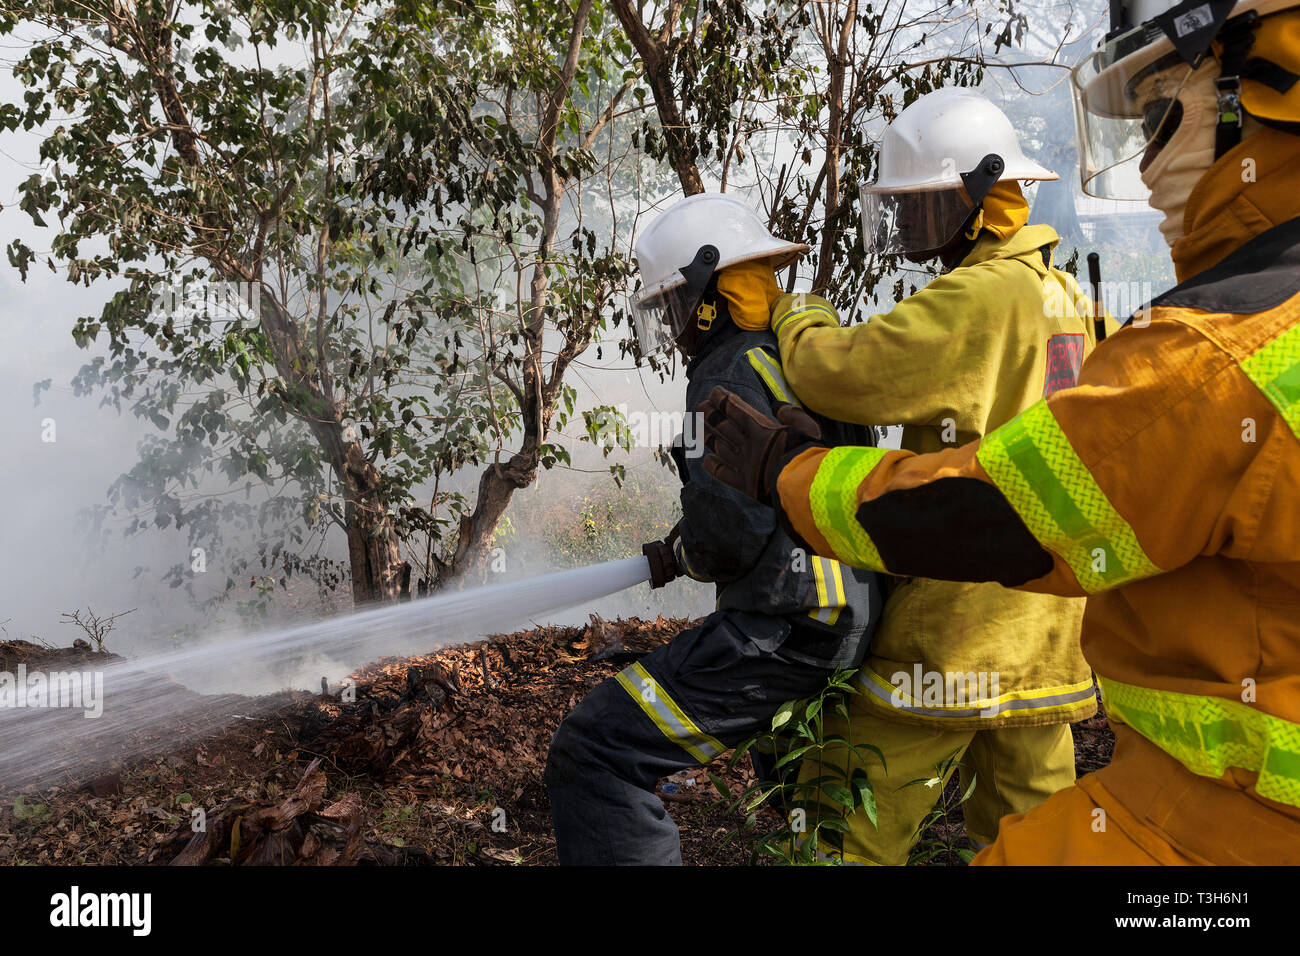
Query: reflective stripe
[[830, 590], [1207, 735], [770, 372], [1031, 461], [668, 717], [1275, 370], [1044, 700], [679, 551], [800, 313], [837, 576], [830, 581], [833, 498]]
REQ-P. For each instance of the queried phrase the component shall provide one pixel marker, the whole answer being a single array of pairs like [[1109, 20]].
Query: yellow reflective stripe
[[830, 590], [837, 579], [1207, 735], [800, 313], [1031, 461], [1039, 701], [770, 372], [679, 551], [833, 498], [667, 716], [820, 577], [1275, 371]]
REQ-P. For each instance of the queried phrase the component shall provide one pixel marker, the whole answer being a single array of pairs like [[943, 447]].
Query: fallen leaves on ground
[[430, 759], [436, 759]]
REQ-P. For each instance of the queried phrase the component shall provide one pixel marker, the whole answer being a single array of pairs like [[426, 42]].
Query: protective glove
[[747, 450], [662, 555], [818, 311]]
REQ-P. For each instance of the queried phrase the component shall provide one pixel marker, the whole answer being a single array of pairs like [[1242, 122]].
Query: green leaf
[[866, 795], [840, 794], [720, 785], [783, 714]]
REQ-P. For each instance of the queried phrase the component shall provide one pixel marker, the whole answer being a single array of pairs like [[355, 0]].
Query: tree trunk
[[537, 393], [375, 557], [656, 66], [374, 549]]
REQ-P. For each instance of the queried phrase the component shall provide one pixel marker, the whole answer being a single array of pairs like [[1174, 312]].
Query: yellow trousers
[[1014, 770]]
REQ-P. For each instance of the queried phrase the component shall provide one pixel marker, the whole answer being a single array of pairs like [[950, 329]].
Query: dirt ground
[[437, 760]]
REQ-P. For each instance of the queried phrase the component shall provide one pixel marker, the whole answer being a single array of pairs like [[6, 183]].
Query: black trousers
[[709, 689]]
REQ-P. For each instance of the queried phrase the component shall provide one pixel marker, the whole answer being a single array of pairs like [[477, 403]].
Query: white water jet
[[150, 702]]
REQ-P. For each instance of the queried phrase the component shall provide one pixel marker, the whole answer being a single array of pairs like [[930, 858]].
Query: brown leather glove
[[662, 555], [747, 450]]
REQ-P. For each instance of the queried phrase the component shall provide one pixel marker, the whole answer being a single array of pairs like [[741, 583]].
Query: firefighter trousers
[[709, 689]]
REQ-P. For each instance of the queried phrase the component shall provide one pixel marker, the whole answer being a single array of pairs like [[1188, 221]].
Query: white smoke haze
[[50, 567]]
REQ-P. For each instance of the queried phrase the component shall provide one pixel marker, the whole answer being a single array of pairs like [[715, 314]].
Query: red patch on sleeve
[[1064, 359]]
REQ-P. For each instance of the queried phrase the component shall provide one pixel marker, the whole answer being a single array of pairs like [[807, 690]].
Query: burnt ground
[[437, 760]]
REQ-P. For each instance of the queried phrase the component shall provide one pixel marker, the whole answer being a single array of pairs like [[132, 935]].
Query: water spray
[[152, 695]]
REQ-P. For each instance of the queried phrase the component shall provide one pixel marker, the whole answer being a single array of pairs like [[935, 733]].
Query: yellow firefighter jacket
[[956, 360], [1167, 486]]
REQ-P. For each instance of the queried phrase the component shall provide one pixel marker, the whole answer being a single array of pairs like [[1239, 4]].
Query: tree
[[356, 247], [321, 258], [791, 94]]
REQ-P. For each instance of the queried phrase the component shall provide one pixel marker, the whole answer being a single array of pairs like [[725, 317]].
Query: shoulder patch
[[1064, 359], [1259, 276]]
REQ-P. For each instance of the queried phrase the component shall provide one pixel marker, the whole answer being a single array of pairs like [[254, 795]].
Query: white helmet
[[680, 251], [938, 160], [1126, 93]]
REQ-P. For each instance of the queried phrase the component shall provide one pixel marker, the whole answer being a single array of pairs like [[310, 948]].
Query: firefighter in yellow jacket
[[967, 673], [1166, 486]]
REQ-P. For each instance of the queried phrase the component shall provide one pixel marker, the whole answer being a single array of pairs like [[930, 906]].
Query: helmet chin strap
[[1237, 37], [699, 276]]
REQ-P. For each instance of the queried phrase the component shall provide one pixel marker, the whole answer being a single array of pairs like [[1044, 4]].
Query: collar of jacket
[[1250, 189], [1023, 244]]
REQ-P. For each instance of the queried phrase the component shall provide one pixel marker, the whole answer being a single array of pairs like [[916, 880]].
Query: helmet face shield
[[661, 319], [914, 223], [1125, 108]]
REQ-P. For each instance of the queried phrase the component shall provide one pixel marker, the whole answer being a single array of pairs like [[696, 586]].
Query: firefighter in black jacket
[[785, 619]]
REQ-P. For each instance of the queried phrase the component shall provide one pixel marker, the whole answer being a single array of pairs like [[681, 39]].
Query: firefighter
[[1166, 486], [785, 619], [959, 674]]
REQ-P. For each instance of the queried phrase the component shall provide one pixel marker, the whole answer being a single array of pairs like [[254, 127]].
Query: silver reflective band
[[667, 715]]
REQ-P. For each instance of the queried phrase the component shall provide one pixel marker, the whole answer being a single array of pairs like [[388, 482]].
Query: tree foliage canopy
[[355, 248]]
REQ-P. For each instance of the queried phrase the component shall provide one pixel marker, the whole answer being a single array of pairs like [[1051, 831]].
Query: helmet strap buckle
[[705, 315], [1228, 97], [1237, 37]]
